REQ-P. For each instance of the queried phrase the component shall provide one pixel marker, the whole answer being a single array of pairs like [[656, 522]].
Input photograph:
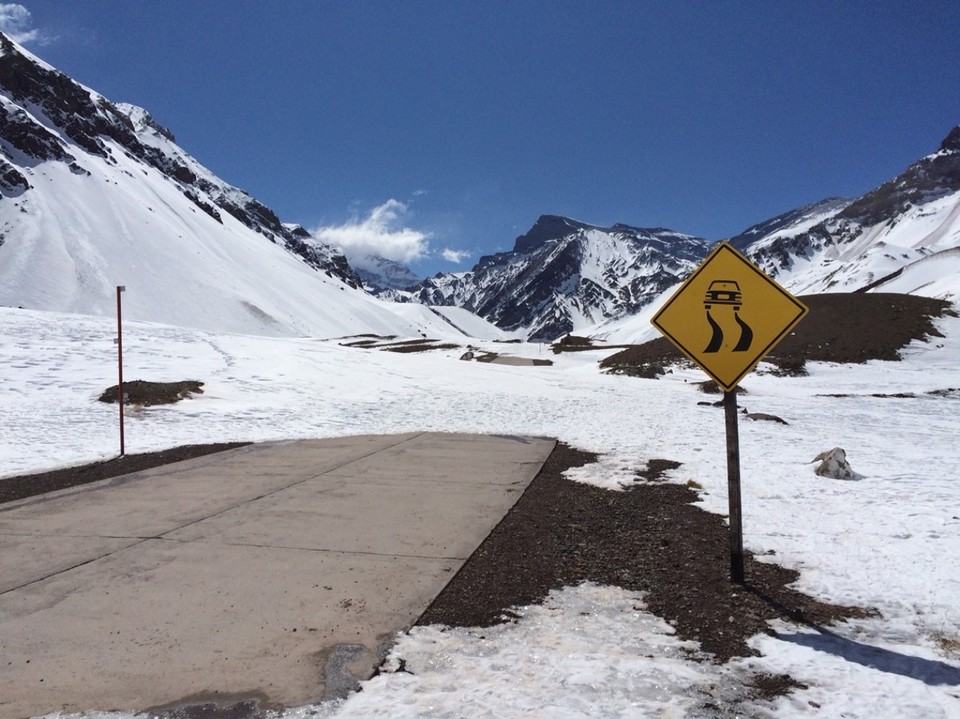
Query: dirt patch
[[147, 393], [573, 343], [421, 347], [843, 327], [649, 538], [402, 346]]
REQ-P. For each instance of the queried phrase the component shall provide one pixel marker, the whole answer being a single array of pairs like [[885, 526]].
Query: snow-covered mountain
[[904, 236], [96, 194], [564, 274], [380, 274]]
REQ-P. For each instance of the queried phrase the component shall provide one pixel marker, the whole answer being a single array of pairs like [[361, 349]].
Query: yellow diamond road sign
[[728, 315]]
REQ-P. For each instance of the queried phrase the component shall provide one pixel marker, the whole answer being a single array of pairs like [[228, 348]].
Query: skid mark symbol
[[716, 337], [716, 340], [726, 292]]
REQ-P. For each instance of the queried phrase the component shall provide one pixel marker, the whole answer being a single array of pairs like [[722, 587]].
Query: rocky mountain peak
[[546, 228], [951, 142], [564, 274], [929, 178], [381, 275]]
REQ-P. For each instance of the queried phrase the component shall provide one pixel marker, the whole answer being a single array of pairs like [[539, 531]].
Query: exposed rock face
[[564, 274], [47, 117], [928, 179], [863, 239]]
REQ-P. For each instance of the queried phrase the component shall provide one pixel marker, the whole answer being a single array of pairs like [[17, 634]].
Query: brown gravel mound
[[648, 538], [851, 327], [147, 393]]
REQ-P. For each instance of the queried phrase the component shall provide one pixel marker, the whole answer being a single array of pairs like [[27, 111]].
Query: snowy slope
[[863, 245], [67, 251], [911, 243], [94, 195]]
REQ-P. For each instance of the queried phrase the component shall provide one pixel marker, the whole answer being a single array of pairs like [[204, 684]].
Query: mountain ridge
[[563, 274], [88, 119], [85, 183], [899, 231], [96, 194]]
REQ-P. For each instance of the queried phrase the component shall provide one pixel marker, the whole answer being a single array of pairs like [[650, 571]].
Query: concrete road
[[277, 573]]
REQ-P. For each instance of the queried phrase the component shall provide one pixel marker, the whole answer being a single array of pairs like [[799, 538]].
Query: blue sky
[[433, 126]]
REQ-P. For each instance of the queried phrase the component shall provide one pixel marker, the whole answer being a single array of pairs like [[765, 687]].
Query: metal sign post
[[120, 397], [733, 486], [726, 317]]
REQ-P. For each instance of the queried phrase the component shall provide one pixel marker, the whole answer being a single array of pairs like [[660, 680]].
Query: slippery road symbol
[[726, 292], [727, 315]]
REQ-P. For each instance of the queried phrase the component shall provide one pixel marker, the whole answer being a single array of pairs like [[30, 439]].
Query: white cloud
[[380, 233], [454, 256], [16, 22]]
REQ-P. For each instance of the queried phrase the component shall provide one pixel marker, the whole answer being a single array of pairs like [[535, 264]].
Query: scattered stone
[[834, 464], [766, 417]]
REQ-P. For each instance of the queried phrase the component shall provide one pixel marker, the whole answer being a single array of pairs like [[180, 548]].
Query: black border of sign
[[773, 343]]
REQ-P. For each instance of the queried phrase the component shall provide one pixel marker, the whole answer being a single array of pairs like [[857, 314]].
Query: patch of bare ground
[[421, 347], [842, 327], [574, 343], [649, 538], [146, 393], [401, 346]]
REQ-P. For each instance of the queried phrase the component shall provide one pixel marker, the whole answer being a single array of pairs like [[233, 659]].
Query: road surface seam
[[215, 514], [362, 552]]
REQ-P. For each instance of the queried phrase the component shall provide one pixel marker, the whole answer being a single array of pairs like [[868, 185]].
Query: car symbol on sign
[[723, 292]]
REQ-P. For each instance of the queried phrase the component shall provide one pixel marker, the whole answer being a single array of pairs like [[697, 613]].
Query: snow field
[[887, 541]]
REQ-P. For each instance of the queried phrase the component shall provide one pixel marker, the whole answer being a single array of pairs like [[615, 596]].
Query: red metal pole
[[120, 289]]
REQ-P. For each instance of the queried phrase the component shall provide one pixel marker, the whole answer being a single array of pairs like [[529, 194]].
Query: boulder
[[834, 464]]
